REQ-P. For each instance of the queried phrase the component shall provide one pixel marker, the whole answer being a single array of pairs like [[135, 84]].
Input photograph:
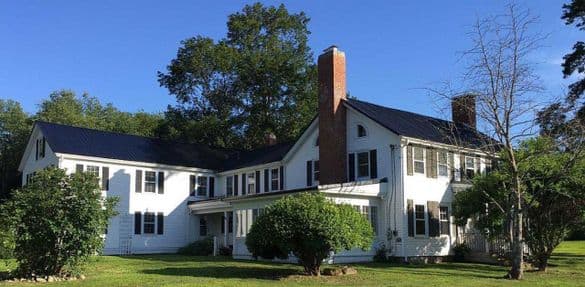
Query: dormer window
[[361, 131]]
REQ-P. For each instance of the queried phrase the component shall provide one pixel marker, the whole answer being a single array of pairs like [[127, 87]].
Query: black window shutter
[[309, 173], [266, 181], [211, 186], [243, 184], [373, 164], [161, 182], [137, 222], [105, 178], [79, 168], [235, 184], [281, 181], [410, 207], [160, 223], [257, 181], [138, 180], [351, 166], [37, 150], [192, 185]]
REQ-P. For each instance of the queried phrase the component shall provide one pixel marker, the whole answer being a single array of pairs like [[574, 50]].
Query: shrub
[[225, 251], [310, 227], [201, 247], [460, 252], [381, 254], [58, 222]]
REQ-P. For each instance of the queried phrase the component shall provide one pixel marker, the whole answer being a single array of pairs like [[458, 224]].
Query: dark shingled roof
[[421, 127], [90, 142], [258, 156]]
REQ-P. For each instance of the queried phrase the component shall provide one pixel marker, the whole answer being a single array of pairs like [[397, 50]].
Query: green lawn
[[568, 269]]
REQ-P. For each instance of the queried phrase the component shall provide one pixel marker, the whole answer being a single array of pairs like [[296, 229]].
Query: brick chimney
[[332, 117], [270, 139], [463, 110]]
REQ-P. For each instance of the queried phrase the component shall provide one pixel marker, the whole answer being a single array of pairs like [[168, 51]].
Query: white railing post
[[214, 245]]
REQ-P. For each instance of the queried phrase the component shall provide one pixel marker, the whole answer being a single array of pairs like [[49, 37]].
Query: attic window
[[361, 131]]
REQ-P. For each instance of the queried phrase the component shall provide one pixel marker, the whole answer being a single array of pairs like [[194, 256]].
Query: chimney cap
[[330, 48]]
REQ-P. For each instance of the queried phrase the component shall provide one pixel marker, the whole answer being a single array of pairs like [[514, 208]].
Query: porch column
[[226, 229]]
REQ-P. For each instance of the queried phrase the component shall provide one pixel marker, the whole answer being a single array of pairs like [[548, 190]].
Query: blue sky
[[113, 49]]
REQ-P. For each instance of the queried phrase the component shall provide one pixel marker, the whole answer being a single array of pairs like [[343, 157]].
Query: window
[[316, 170], [149, 181], [30, 177], [201, 186], [92, 169], [361, 131], [419, 160], [443, 166], [488, 166], [229, 186], [469, 166], [149, 223], [230, 222], [363, 164], [255, 213], [317, 141], [419, 220], [274, 179], [444, 219], [251, 183], [371, 214], [202, 226]]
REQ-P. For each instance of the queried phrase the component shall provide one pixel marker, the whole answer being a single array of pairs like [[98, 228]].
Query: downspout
[[403, 201]]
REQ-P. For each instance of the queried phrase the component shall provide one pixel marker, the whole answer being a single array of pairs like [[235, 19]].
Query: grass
[[567, 269]]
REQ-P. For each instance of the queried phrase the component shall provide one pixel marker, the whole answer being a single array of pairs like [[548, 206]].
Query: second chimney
[[332, 117], [463, 110]]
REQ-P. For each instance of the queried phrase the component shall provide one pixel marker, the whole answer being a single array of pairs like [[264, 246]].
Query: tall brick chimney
[[463, 110], [332, 117]]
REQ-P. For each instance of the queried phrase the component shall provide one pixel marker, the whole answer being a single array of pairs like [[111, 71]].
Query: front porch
[[214, 218]]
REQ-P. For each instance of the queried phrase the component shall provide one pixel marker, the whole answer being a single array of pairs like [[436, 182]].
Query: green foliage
[[64, 107], [260, 78], [309, 226], [14, 130], [553, 181], [202, 247], [460, 251], [574, 62], [58, 222]]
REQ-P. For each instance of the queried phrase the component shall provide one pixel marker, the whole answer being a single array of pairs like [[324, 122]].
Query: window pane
[[469, 162], [418, 153], [202, 227], [229, 185], [420, 227], [420, 211], [149, 181], [274, 179], [443, 170], [443, 157], [419, 167], [95, 170], [202, 186], [361, 131], [149, 223], [363, 164]]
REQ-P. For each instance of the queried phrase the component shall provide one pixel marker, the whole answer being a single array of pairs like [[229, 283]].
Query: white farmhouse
[[398, 168]]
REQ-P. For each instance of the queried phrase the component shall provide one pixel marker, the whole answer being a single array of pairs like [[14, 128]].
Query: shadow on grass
[[240, 272], [442, 269]]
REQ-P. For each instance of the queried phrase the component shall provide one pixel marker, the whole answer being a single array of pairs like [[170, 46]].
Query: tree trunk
[[517, 272]]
